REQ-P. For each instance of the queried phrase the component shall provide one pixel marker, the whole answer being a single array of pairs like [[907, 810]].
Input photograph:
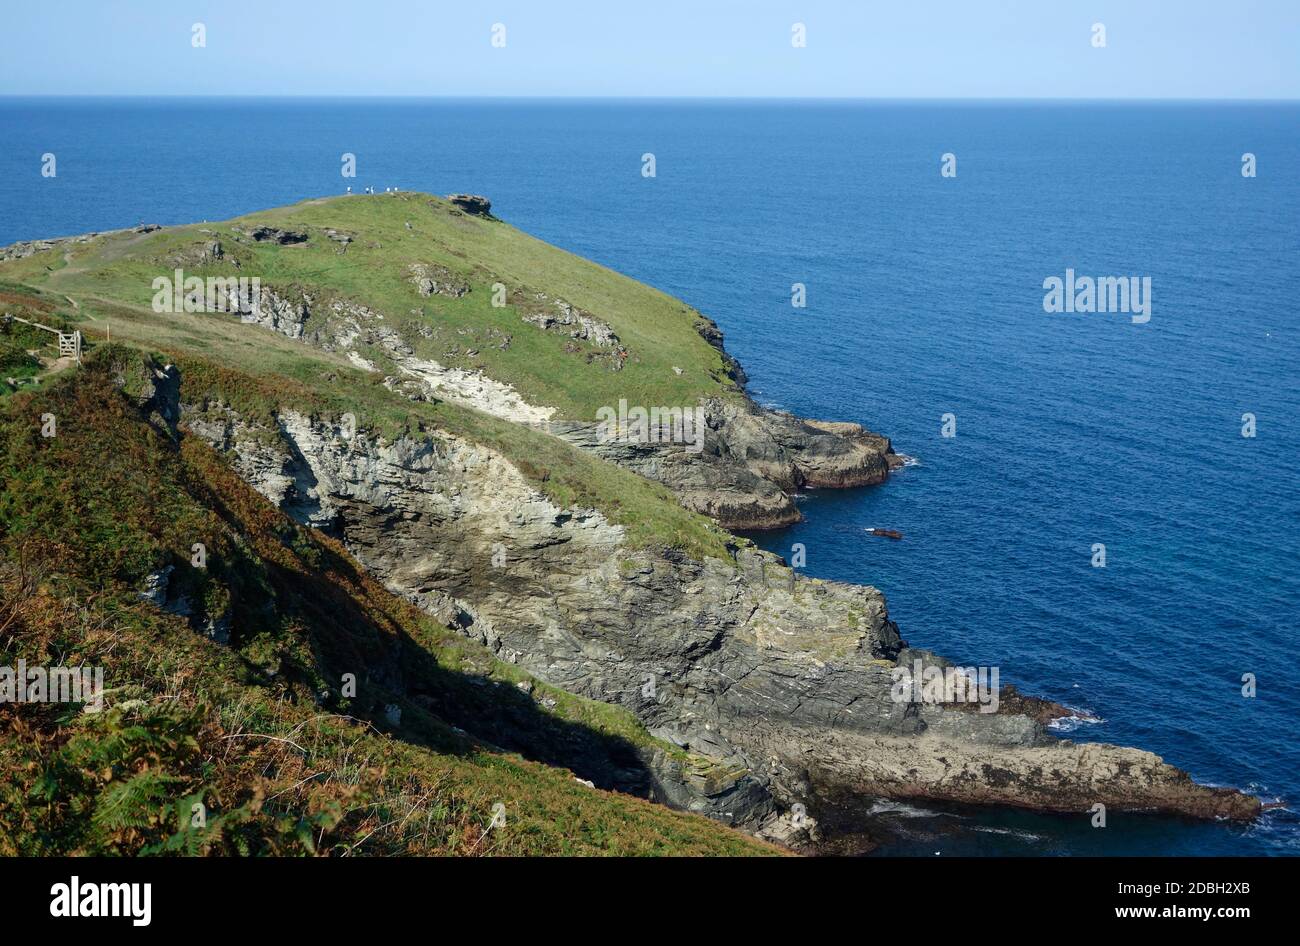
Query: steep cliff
[[376, 391], [785, 679], [258, 692]]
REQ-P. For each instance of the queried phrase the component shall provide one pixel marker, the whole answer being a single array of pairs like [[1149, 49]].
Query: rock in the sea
[[751, 463]]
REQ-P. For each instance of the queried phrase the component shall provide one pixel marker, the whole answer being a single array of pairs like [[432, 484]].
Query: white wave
[[898, 809], [1072, 722], [1009, 832]]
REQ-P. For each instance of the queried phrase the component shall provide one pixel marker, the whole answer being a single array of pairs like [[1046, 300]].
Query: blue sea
[[924, 298]]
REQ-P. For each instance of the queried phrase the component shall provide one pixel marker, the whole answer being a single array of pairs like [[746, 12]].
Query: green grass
[[15, 362], [19, 339], [259, 731], [657, 330], [260, 372]]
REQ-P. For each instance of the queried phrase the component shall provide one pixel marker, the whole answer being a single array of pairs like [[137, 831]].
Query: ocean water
[[924, 298]]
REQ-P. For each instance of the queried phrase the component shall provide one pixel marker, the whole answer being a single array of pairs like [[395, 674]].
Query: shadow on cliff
[[123, 497], [357, 649]]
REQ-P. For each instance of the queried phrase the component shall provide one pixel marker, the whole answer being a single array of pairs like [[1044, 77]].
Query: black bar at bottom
[[331, 896]]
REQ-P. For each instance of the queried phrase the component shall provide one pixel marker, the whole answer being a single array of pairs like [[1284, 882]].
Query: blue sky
[[855, 48]]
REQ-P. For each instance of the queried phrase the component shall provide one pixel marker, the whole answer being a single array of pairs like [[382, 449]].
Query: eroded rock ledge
[[752, 462], [783, 680]]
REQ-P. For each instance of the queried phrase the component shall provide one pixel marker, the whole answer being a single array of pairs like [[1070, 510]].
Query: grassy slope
[[17, 339], [257, 731], [657, 330], [259, 371]]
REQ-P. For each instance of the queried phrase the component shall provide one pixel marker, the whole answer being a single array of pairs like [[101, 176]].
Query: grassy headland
[[260, 733]]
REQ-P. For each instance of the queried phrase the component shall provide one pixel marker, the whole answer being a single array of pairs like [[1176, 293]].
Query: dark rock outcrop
[[473, 204], [710, 332], [27, 248], [275, 235]]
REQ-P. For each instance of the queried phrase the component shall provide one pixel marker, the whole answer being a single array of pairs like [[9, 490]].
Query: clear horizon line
[[641, 98]]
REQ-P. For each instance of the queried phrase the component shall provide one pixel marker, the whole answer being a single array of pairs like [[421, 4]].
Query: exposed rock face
[[466, 387], [710, 332], [160, 590], [1063, 776], [474, 204], [556, 315], [753, 459], [785, 683], [156, 585], [796, 453], [273, 310], [155, 390], [703, 481], [432, 280], [751, 462], [344, 324], [28, 248], [275, 235]]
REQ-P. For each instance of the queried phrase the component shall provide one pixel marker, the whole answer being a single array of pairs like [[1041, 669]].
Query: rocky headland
[[784, 680], [786, 683]]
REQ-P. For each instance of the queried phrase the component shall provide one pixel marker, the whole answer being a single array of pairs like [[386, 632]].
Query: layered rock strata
[[785, 681]]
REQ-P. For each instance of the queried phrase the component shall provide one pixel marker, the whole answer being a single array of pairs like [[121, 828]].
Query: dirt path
[[113, 245]]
